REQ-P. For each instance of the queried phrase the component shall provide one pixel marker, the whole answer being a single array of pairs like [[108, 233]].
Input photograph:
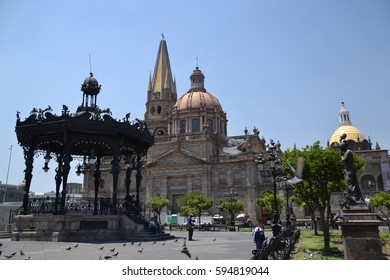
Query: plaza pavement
[[207, 245]]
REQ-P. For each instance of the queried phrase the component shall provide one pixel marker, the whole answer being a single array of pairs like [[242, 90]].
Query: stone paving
[[207, 245]]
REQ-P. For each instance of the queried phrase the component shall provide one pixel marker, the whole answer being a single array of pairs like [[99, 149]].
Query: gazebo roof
[[82, 131]]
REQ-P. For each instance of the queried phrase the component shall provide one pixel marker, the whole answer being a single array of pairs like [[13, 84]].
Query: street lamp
[[231, 197], [272, 169], [288, 192]]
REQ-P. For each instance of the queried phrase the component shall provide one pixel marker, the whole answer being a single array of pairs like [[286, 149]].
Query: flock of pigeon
[[113, 253], [11, 255]]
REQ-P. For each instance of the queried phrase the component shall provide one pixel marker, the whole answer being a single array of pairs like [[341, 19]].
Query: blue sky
[[282, 66]]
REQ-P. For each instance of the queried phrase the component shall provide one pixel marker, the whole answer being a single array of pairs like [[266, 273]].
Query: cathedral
[[192, 150]]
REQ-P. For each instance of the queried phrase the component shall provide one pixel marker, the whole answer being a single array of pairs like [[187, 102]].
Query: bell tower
[[162, 94]]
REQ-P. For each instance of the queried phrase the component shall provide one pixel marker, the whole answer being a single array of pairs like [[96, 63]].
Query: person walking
[[259, 236], [190, 226]]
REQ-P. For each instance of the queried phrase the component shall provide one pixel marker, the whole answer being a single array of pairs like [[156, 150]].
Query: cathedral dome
[[197, 97], [198, 100], [355, 137], [352, 132]]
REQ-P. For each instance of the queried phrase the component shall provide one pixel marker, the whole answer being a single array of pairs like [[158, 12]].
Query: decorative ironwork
[[278, 247], [90, 133], [273, 170]]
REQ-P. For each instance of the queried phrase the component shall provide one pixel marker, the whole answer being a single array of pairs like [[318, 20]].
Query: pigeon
[[21, 253], [77, 245], [214, 239], [196, 258], [8, 256], [112, 250], [176, 239], [69, 248], [296, 172], [107, 257], [139, 244], [185, 251], [27, 258], [124, 244], [154, 242], [132, 243], [115, 255], [163, 243], [1, 252], [1, 244], [140, 250], [101, 248], [13, 254]]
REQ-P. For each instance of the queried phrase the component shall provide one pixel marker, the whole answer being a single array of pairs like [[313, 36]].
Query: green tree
[[232, 207], [157, 203], [266, 201], [381, 202], [194, 202], [322, 175]]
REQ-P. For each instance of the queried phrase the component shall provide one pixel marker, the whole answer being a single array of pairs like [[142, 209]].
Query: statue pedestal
[[360, 233]]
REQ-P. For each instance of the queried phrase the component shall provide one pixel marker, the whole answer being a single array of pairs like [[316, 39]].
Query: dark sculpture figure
[[354, 194]]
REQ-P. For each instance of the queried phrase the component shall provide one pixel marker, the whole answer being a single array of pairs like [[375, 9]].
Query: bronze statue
[[354, 194]]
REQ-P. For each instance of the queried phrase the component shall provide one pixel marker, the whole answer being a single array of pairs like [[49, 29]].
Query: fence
[[279, 247]]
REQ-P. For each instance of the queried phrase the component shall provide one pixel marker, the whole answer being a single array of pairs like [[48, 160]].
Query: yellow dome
[[352, 134], [21, 185]]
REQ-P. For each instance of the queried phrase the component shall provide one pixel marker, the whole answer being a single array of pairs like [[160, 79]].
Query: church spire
[[162, 94], [162, 75]]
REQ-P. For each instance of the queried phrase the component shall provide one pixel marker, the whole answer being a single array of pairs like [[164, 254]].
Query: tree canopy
[[157, 203], [266, 201], [194, 202], [381, 202]]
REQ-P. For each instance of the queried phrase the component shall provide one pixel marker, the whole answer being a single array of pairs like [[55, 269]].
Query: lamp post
[[288, 192], [272, 169], [231, 197]]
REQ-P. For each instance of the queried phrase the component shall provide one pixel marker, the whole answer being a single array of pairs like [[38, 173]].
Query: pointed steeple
[[162, 95], [162, 75]]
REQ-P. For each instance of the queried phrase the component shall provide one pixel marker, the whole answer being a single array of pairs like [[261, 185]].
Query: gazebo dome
[[90, 85]]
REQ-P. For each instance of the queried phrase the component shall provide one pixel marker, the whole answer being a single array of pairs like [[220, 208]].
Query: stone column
[[359, 226]]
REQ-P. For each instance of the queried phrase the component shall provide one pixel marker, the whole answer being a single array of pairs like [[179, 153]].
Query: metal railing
[[279, 247]]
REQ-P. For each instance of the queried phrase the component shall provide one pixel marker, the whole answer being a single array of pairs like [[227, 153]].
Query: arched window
[[368, 183], [152, 110], [182, 126], [159, 110], [210, 125], [160, 132], [195, 125]]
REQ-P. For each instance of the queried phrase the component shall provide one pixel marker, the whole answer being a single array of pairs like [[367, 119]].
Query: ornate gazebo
[[88, 135]]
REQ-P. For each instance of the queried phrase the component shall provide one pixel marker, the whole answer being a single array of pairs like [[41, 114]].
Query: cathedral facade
[[192, 149]]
